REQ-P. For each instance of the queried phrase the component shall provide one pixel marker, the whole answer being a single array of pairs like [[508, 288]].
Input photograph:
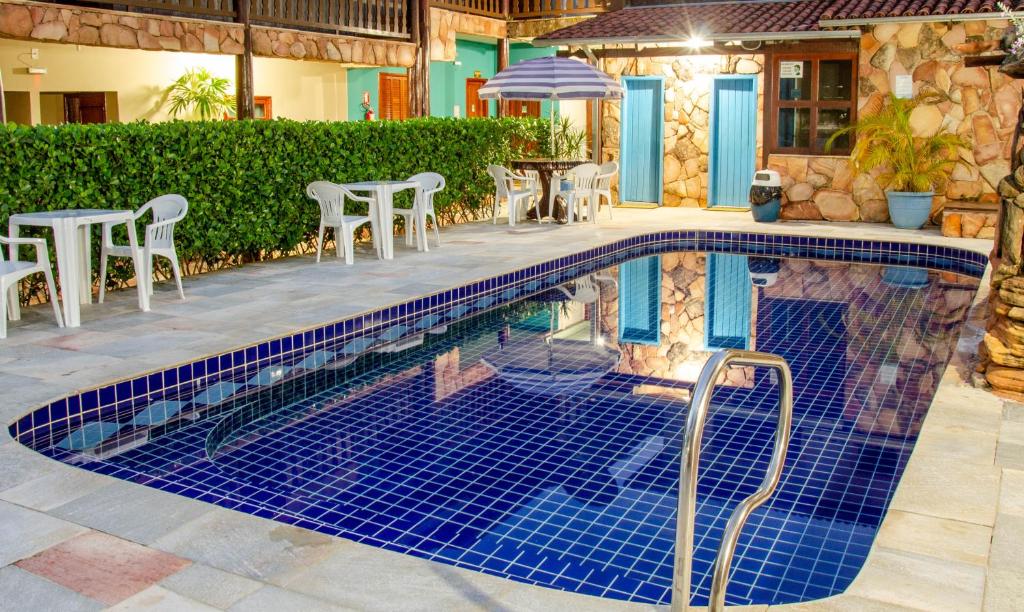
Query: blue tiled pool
[[529, 426]]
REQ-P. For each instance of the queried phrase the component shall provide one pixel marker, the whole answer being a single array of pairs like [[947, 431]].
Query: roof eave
[[867, 21], [743, 37]]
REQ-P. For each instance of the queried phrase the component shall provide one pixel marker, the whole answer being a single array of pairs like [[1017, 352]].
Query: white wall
[[299, 89]]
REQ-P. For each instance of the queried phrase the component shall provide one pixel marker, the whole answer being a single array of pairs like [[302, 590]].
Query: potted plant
[[1012, 43], [912, 165]]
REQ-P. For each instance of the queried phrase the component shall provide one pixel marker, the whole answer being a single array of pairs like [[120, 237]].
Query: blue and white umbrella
[[551, 78]]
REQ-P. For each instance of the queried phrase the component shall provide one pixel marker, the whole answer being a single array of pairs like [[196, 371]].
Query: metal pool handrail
[[688, 478]]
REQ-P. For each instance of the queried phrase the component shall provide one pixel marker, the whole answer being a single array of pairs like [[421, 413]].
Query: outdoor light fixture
[[696, 41]]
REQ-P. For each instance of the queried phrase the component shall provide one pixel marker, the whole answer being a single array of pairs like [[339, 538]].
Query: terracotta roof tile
[[866, 9], [678, 21]]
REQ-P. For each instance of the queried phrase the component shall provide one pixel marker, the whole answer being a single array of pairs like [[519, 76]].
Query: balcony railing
[[384, 18], [525, 9]]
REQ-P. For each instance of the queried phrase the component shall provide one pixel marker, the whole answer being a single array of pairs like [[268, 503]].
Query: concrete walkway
[[71, 539]]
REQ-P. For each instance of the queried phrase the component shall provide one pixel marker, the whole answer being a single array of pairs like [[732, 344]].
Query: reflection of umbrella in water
[[553, 367]]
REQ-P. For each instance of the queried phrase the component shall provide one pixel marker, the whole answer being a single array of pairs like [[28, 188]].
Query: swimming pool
[[528, 426]]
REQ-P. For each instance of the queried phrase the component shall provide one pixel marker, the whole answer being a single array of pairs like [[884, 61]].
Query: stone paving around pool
[[74, 540]]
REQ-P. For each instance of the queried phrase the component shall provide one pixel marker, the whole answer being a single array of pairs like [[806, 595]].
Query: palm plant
[[568, 142], [886, 142], [200, 93]]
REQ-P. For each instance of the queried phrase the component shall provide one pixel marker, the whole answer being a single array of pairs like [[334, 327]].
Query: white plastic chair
[[603, 185], [583, 179], [167, 211], [13, 271], [331, 198], [505, 188], [429, 184]]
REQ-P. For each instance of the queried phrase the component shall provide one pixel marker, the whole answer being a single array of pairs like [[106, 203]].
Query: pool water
[[540, 440]]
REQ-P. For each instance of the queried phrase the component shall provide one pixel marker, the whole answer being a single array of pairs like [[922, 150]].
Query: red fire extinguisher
[[368, 115]]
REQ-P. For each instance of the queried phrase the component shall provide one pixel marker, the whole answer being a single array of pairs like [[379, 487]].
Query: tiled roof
[[875, 9], [678, 21]]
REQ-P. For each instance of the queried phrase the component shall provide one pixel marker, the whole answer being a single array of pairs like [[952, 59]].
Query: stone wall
[[444, 25], [687, 103], [982, 107], [97, 27]]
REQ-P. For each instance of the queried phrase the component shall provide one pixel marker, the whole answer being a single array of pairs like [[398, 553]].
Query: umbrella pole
[[551, 120]]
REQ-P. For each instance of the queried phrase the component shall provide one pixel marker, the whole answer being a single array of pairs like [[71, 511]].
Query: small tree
[[199, 92]]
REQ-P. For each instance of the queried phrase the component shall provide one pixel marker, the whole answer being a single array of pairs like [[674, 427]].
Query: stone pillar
[[1002, 350]]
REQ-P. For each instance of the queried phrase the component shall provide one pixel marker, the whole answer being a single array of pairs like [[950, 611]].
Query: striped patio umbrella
[[551, 78]]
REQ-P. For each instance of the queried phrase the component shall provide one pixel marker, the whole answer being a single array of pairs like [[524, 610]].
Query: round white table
[[72, 241], [384, 223]]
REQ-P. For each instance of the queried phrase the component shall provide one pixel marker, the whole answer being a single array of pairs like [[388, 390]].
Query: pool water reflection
[[540, 441]]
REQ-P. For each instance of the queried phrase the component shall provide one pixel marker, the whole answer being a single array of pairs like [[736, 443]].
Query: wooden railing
[[372, 17], [385, 18], [531, 9], [525, 9]]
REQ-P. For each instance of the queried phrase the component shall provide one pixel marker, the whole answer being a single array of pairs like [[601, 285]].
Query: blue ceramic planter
[[909, 210]]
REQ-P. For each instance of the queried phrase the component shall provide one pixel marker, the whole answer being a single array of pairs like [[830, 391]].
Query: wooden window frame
[[773, 104]]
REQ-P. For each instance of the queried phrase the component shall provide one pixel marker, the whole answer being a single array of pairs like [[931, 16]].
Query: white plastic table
[[71, 240], [384, 194]]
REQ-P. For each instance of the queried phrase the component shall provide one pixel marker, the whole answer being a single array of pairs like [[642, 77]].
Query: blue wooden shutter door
[[728, 300], [640, 300], [641, 140], [734, 140]]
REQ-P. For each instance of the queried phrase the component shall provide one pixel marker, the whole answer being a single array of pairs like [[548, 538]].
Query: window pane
[[829, 121], [794, 80], [835, 79], [794, 127]]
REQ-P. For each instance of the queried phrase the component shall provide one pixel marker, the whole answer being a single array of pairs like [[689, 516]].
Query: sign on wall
[[791, 70]]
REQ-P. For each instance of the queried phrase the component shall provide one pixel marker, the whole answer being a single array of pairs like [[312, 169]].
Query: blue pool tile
[[88, 436], [158, 413]]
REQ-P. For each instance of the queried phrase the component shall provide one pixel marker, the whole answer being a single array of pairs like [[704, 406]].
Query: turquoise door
[[640, 149], [733, 140], [640, 300], [727, 303]]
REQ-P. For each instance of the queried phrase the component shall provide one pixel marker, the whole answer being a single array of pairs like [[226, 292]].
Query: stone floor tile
[[103, 567], [159, 599], [249, 546], [1011, 492], [274, 599], [364, 578], [843, 603], [1012, 432], [1013, 411], [21, 465], [1004, 591], [919, 582], [211, 586], [946, 488], [21, 591], [54, 489], [1006, 543], [1010, 455], [131, 511], [24, 532], [935, 537]]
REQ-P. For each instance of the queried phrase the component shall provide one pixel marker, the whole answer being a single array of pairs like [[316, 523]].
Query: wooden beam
[[419, 74], [976, 61], [244, 105]]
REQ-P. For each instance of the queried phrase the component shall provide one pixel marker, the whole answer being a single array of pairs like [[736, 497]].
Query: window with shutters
[[394, 96]]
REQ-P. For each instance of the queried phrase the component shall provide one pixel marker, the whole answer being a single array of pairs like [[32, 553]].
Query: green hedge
[[245, 180]]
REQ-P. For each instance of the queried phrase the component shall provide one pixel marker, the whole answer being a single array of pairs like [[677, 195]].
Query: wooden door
[[643, 120], [733, 147], [394, 96], [89, 107], [522, 108], [475, 107]]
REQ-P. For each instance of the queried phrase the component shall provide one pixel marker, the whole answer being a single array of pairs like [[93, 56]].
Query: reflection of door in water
[[475, 107], [728, 297], [641, 137], [733, 140], [88, 107], [640, 300]]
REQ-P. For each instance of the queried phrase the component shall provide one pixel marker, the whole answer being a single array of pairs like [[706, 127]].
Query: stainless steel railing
[[699, 405]]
